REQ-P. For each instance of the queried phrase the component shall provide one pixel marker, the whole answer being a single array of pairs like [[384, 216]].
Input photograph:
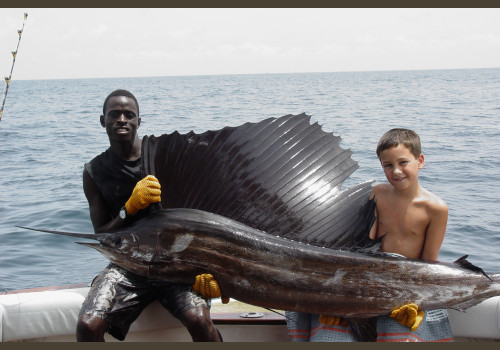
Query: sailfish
[[261, 207]]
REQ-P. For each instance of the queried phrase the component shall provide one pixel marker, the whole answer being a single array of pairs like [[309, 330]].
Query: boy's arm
[[373, 229], [434, 235], [410, 315]]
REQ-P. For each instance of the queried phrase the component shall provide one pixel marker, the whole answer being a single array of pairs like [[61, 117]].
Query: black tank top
[[115, 178]]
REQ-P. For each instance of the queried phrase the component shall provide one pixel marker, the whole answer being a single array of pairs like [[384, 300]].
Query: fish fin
[[463, 262], [280, 175], [371, 247], [359, 240]]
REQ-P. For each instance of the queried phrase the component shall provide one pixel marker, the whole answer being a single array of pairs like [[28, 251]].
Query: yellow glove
[[408, 315], [207, 286], [332, 320], [145, 192]]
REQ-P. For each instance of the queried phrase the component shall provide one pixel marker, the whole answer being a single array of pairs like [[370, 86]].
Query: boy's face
[[401, 167]]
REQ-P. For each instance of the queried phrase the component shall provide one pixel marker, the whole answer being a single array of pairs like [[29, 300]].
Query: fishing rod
[[14, 54]]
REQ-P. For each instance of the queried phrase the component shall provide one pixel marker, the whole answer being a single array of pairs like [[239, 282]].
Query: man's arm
[[99, 212]]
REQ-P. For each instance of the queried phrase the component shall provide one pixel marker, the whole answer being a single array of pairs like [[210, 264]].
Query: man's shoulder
[[95, 162], [102, 155], [98, 158]]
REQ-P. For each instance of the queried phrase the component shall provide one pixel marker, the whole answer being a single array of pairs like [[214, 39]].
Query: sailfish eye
[[116, 240]]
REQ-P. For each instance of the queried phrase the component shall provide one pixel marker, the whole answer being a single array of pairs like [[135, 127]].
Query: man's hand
[[332, 320], [145, 192], [408, 315], [207, 286]]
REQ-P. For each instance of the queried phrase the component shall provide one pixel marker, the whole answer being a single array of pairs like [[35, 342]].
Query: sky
[[112, 42]]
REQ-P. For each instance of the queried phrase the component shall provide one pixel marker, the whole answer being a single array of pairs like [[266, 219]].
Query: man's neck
[[127, 151]]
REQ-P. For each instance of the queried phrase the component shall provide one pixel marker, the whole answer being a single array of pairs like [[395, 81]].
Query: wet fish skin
[[270, 271]]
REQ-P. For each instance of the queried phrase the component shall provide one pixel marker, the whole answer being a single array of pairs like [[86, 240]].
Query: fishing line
[[279, 313], [14, 54], [8, 80], [53, 115]]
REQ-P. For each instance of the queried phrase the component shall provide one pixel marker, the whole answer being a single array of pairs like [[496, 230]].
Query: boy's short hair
[[119, 92], [400, 136]]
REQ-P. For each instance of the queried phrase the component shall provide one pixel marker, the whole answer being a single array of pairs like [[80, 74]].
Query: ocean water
[[50, 128]]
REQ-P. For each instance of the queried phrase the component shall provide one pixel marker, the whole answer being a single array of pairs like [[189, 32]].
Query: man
[[118, 197]]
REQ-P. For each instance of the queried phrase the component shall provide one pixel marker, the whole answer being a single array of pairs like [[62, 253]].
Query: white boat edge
[[49, 315]]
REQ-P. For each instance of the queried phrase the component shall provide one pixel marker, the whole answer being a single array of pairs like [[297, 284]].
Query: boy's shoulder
[[380, 189], [433, 201], [425, 196], [382, 186]]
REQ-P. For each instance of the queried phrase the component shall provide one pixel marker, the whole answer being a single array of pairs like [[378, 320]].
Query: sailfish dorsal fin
[[280, 175]]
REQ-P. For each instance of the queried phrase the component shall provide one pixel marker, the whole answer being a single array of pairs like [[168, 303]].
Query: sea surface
[[50, 128]]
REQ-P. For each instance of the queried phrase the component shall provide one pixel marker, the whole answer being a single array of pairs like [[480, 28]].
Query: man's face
[[121, 119]]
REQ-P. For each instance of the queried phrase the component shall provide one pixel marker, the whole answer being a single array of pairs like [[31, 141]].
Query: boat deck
[[50, 314]]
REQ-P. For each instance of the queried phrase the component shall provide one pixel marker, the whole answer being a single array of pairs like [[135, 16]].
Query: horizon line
[[263, 73]]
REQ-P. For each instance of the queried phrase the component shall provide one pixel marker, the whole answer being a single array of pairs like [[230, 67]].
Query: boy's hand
[[332, 320], [145, 192], [206, 285], [408, 315]]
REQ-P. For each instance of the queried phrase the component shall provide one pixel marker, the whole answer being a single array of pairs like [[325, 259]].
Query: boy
[[411, 222]]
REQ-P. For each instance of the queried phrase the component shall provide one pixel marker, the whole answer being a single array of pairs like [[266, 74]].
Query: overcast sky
[[90, 43]]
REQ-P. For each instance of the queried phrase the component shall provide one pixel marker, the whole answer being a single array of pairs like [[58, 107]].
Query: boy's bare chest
[[402, 218]]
